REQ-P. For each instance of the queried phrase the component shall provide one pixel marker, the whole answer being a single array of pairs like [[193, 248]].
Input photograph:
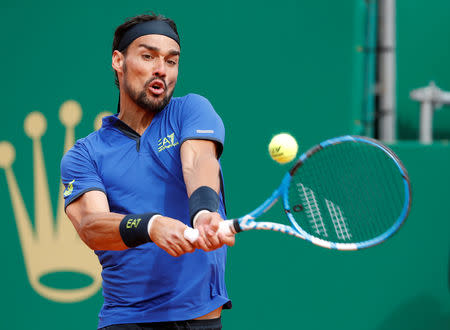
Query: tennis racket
[[346, 193]]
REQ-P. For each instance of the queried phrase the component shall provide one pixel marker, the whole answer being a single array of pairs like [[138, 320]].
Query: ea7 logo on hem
[[167, 142]]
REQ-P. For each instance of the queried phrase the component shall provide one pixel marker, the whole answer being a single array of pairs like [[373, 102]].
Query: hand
[[209, 238], [167, 233]]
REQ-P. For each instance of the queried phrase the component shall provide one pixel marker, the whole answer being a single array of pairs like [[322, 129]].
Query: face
[[150, 71]]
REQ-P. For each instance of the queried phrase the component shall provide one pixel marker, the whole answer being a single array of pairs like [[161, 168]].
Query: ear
[[117, 61]]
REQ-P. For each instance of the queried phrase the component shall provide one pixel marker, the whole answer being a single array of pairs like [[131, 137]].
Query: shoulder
[[193, 105], [193, 98], [88, 142], [81, 150], [190, 101], [191, 108]]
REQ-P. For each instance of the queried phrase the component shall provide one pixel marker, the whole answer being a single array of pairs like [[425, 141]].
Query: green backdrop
[[423, 30], [266, 67]]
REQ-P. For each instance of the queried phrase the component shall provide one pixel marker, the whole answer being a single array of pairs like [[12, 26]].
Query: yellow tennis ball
[[283, 148]]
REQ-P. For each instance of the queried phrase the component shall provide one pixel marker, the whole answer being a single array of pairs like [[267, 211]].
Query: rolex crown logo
[[52, 247]]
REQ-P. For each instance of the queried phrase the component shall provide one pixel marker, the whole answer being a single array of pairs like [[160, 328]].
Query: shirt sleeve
[[79, 174], [199, 121]]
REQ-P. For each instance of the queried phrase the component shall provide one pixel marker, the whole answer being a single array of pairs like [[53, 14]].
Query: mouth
[[157, 87]]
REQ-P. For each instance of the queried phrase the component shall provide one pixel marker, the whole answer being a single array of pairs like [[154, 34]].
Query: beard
[[141, 98]]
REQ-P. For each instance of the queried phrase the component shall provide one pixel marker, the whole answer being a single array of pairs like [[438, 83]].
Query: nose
[[159, 69]]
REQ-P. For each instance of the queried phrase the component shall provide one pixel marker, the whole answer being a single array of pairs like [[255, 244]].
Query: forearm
[[204, 171], [105, 231], [100, 231], [201, 171]]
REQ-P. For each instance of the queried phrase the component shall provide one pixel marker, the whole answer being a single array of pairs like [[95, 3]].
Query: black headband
[[149, 27]]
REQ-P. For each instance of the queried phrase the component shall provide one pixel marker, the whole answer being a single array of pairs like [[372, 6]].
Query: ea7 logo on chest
[[167, 142]]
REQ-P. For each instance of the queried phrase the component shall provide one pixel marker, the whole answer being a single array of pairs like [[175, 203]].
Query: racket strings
[[350, 192], [378, 223], [382, 199], [390, 190], [342, 172]]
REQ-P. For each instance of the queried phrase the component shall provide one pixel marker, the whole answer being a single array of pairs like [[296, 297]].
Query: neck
[[133, 115]]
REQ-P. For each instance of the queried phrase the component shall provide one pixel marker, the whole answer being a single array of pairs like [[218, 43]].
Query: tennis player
[[134, 186]]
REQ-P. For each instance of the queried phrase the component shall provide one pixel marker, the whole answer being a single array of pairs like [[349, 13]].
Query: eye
[[147, 56], [172, 62]]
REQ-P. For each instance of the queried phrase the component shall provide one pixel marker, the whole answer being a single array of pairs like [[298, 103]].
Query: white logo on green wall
[[52, 247]]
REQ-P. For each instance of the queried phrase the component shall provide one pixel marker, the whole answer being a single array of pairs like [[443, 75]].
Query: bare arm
[[200, 165], [96, 225], [201, 168], [99, 228]]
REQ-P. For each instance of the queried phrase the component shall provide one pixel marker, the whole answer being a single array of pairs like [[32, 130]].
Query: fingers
[[214, 224], [180, 248], [202, 242], [210, 237], [186, 246], [177, 248], [168, 234], [179, 244], [209, 243], [208, 225], [227, 239]]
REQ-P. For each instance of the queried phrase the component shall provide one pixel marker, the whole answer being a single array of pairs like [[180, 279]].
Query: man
[[134, 186]]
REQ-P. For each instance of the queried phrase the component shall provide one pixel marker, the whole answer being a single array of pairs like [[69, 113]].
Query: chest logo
[[167, 142]]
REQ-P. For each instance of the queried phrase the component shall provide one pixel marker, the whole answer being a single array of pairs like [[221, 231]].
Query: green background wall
[[423, 30], [291, 66]]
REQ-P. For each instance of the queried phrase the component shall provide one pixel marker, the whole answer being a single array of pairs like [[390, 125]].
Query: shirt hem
[[186, 315], [208, 138], [75, 197]]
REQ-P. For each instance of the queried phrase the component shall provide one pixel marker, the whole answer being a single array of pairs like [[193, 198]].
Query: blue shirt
[[142, 174]]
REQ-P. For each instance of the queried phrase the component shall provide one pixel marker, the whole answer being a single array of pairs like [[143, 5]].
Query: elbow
[[100, 233], [85, 232]]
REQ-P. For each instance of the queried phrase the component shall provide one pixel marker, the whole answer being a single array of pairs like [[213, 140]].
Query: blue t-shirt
[[142, 174]]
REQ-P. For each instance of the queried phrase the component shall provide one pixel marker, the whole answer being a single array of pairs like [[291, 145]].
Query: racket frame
[[247, 222]]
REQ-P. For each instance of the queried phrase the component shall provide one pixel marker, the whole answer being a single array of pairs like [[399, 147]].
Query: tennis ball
[[283, 148]]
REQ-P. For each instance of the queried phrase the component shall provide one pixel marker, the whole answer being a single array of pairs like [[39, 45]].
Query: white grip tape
[[191, 234], [225, 227]]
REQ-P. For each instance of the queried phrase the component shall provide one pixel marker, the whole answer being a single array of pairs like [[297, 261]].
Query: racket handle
[[191, 234], [225, 227]]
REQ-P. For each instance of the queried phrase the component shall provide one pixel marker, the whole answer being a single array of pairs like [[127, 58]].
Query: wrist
[[203, 198], [194, 220], [150, 223], [133, 229]]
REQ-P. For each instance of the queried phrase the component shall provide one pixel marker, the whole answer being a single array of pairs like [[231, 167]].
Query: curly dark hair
[[130, 22]]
